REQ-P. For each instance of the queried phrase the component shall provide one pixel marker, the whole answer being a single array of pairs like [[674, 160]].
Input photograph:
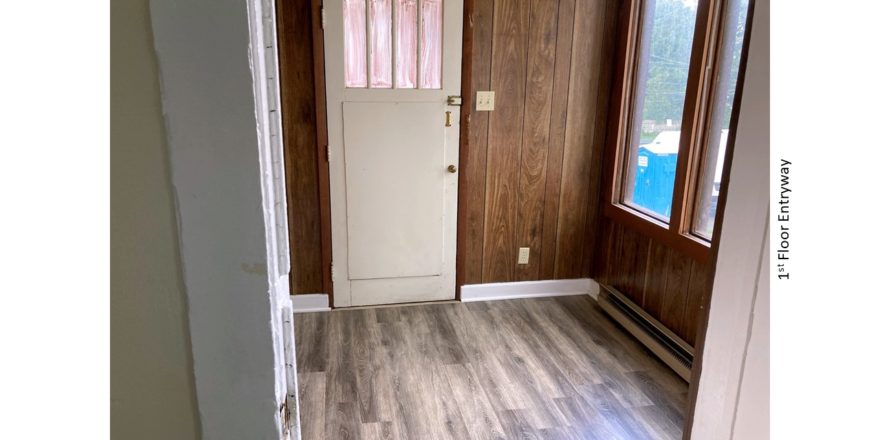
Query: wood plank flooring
[[555, 368]]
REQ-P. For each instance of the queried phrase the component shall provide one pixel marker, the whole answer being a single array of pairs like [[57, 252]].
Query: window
[[393, 43], [354, 17], [674, 114], [667, 35], [718, 124]]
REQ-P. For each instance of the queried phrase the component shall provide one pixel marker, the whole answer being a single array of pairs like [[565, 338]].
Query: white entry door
[[390, 67]]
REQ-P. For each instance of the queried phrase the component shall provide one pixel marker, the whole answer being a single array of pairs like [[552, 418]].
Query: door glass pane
[[354, 19], [724, 89], [667, 33], [431, 42], [380, 44], [407, 44]]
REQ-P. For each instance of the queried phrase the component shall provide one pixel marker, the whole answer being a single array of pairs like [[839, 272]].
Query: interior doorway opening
[[686, 265]]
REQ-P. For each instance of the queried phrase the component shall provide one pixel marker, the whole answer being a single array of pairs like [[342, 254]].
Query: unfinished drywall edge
[[529, 289], [217, 163]]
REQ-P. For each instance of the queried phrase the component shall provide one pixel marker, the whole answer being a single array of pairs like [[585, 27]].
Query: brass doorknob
[[451, 168]]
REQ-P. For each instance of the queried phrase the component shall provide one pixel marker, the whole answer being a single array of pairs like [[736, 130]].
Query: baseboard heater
[[670, 348]]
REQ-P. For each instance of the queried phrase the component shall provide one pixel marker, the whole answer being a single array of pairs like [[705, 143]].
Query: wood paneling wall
[[533, 165], [298, 105], [664, 282]]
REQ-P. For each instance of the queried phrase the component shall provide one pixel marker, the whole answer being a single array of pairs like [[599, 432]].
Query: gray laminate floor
[[554, 368]]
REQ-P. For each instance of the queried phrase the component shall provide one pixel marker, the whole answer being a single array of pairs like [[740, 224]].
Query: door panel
[[394, 175], [393, 200], [397, 290]]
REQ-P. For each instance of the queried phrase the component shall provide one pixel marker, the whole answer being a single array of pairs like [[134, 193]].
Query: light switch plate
[[485, 101], [523, 256]]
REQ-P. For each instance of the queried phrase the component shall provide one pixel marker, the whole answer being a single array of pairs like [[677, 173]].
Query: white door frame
[[336, 93]]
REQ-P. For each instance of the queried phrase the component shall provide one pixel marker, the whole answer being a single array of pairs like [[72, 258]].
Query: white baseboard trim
[[529, 289], [312, 302]]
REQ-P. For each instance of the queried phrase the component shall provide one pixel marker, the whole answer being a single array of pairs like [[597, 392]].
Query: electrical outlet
[[523, 256], [485, 101]]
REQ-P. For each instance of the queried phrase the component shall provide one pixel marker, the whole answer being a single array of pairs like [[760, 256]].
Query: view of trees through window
[[667, 34], [670, 56]]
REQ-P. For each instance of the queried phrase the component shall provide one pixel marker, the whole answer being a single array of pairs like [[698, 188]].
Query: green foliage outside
[[672, 33]]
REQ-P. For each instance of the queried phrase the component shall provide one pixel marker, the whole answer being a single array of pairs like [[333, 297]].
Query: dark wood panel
[[604, 268], [464, 159], [477, 133], [600, 125], [558, 117], [667, 284], [634, 253], [678, 276], [655, 279], [611, 271], [550, 68], [536, 134], [509, 55], [580, 129], [550, 368], [300, 144], [699, 287]]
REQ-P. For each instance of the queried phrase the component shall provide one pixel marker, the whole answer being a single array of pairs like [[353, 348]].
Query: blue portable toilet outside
[[655, 173]]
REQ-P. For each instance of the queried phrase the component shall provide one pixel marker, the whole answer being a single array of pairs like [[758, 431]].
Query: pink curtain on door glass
[[380, 43], [406, 16], [355, 50], [431, 44]]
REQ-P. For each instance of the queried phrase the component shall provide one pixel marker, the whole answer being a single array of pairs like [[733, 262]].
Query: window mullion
[[695, 105]]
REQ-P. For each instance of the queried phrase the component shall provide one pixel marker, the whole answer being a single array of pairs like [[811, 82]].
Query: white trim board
[[312, 302], [529, 289], [320, 302]]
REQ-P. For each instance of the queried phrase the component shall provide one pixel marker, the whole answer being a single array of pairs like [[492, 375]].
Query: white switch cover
[[523, 256], [485, 101]]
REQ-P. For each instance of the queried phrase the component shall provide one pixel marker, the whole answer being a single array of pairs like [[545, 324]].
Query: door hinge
[[327, 151], [323, 17], [332, 273]]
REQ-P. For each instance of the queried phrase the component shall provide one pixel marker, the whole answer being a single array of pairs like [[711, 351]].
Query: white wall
[[742, 253], [228, 238], [752, 419], [152, 391]]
